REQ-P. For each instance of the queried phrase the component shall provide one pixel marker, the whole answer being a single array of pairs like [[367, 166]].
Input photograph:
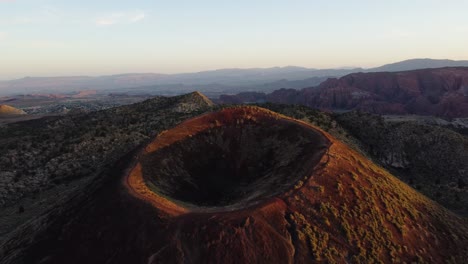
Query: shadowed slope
[[339, 207]]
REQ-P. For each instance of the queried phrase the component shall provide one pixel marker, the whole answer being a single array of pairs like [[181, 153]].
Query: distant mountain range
[[213, 83], [438, 92], [416, 64]]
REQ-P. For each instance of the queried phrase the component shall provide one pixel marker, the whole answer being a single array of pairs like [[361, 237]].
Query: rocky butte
[[243, 185], [439, 92]]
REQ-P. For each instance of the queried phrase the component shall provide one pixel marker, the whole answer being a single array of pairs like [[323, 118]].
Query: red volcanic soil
[[226, 160], [245, 185]]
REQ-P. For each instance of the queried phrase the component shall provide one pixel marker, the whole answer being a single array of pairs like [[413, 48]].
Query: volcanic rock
[[439, 92]]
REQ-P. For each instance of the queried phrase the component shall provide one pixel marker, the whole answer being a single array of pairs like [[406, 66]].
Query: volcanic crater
[[227, 160], [242, 185]]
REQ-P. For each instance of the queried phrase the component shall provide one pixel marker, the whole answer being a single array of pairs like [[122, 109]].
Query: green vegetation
[[40, 156], [430, 158]]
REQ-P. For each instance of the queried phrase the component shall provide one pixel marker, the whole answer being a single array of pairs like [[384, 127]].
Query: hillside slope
[[6, 111], [43, 160], [432, 159], [426, 153], [340, 208]]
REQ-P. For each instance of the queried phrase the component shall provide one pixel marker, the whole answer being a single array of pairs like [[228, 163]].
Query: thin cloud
[[105, 21], [138, 17], [120, 18]]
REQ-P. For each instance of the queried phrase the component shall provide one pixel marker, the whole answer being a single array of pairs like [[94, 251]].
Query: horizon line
[[221, 69]]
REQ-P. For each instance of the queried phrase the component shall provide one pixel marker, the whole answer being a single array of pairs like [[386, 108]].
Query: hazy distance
[[58, 38]]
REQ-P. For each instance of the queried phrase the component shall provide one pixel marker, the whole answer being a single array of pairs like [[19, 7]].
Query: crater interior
[[234, 162]]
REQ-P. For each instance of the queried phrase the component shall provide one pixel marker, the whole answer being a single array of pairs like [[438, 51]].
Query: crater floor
[[238, 159]]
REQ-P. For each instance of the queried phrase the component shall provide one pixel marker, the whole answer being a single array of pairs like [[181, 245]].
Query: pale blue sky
[[49, 38]]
